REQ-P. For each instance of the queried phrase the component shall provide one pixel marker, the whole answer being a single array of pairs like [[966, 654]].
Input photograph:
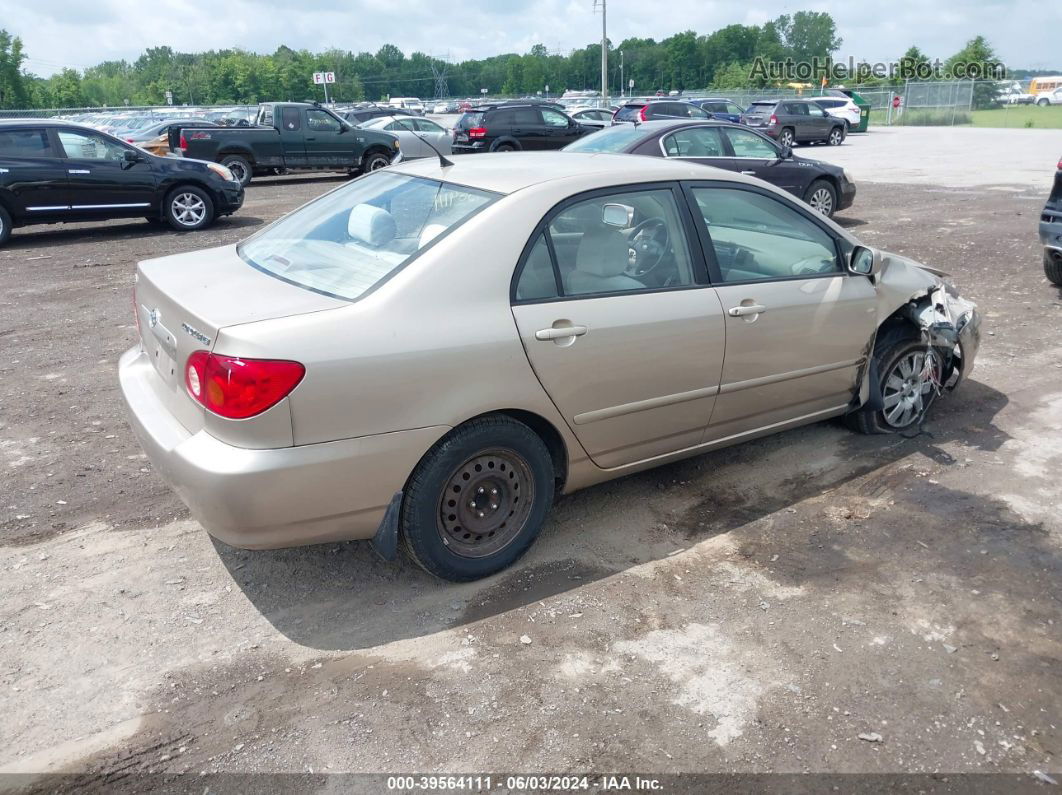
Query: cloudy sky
[[58, 33]]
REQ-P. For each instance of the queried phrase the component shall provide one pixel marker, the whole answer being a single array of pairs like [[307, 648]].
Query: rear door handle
[[750, 173], [78, 171], [309, 139], [562, 333], [751, 309]]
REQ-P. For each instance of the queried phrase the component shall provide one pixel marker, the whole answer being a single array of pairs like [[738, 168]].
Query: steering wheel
[[647, 244]]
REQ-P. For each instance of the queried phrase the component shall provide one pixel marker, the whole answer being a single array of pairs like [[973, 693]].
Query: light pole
[[604, 50], [621, 73]]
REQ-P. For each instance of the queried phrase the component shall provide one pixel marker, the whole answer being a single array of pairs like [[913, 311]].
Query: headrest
[[372, 225], [429, 233], [603, 251]]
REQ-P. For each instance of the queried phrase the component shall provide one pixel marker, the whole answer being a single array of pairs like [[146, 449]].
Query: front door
[[326, 143], [559, 129], [101, 181], [798, 324], [756, 156], [32, 173], [619, 326]]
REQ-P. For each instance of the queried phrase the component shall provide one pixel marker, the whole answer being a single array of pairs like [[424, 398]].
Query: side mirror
[[131, 156], [619, 215], [786, 153], [865, 261]]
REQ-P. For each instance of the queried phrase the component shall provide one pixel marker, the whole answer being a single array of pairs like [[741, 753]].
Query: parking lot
[[813, 601]]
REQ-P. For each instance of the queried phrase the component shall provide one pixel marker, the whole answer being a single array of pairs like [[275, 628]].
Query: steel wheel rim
[[822, 201], [188, 209], [238, 171], [910, 388], [486, 503]]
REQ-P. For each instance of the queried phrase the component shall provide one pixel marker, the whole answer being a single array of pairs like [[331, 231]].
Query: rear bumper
[[261, 499], [468, 148]]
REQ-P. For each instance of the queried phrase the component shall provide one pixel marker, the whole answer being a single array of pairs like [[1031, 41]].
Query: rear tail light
[[184, 142], [641, 113], [477, 132], [239, 388], [773, 121]]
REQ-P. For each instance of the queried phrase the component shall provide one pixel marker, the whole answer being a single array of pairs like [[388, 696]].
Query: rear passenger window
[[291, 119], [32, 142], [526, 116], [537, 281], [695, 142]]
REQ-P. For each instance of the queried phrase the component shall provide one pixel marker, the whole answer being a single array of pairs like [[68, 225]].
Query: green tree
[[977, 61], [13, 90]]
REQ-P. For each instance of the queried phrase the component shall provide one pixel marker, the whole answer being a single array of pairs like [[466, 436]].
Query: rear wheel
[[5, 226], [239, 167], [1043, 102], [189, 208], [822, 197], [1052, 265], [786, 137], [836, 136], [478, 499], [911, 378], [505, 148]]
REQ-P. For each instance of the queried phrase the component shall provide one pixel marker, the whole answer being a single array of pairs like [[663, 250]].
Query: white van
[[412, 104]]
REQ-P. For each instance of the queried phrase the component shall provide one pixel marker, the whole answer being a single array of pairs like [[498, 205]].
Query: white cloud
[[72, 33]]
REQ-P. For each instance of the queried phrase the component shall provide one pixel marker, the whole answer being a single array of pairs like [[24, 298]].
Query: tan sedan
[[433, 352]]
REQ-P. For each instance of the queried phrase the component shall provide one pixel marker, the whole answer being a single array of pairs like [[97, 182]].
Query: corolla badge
[[195, 333]]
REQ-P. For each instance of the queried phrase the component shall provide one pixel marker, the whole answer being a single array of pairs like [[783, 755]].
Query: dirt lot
[[755, 609]]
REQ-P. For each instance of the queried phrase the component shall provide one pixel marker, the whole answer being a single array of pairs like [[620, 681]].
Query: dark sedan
[[826, 187]]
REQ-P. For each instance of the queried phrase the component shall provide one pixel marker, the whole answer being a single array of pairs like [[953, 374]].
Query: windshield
[[350, 240], [611, 139]]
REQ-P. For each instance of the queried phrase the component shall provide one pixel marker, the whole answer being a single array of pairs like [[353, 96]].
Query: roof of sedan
[[512, 171]]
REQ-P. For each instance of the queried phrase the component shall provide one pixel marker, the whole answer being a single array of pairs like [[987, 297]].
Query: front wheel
[[478, 499], [822, 197], [1043, 103], [910, 381], [240, 169], [189, 208], [374, 161], [836, 136]]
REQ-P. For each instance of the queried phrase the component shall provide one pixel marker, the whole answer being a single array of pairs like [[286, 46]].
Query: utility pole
[[604, 50], [621, 73]]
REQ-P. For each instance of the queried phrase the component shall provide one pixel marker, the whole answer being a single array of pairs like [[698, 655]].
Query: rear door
[[32, 176], [798, 324], [796, 116], [325, 142], [651, 339], [101, 182], [292, 140], [528, 128]]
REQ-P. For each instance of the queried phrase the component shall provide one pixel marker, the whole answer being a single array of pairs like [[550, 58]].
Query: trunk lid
[[183, 301]]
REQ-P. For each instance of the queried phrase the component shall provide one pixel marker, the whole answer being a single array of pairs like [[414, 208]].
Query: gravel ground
[[815, 601]]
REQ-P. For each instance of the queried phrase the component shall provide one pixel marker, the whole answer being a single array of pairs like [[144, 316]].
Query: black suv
[[1051, 231], [794, 121], [648, 110], [53, 171], [509, 126]]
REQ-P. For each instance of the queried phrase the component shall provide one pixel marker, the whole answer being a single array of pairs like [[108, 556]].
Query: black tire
[[821, 195], [787, 137], [504, 148], [374, 161], [888, 359], [188, 208], [240, 168], [5, 226], [1052, 265], [489, 459], [836, 136], [1044, 102]]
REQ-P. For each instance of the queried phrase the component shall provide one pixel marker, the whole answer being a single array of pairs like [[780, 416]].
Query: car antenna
[[443, 161]]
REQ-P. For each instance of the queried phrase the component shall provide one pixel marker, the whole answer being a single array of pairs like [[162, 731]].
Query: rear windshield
[[610, 139], [760, 107], [350, 240], [470, 120], [628, 112]]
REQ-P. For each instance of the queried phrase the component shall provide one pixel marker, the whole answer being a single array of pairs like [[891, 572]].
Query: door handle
[[78, 171], [562, 333], [751, 309], [309, 139], [750, 173]]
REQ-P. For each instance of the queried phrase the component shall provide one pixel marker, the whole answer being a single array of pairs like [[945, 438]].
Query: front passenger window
[[89, 146], [757, 237]]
